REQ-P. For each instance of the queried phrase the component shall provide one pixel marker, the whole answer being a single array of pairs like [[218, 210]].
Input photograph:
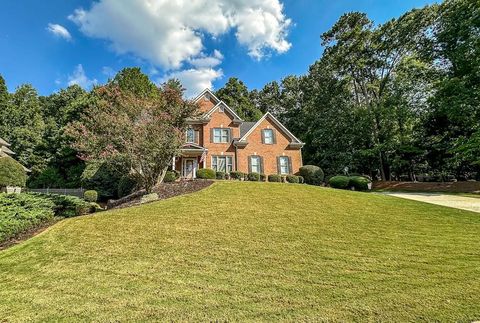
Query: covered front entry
[[192, 158], [189, 167]]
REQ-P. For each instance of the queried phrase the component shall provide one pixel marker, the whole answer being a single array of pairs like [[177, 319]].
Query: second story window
[[268, 136], [190, 135], [221, 135]]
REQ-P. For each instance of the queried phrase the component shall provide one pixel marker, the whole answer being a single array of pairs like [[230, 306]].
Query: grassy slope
[[281, 252]]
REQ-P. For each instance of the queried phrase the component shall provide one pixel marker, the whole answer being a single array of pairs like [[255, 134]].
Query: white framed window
[[284, 165], [255, 164], [221, 135], [222, 163], [190, 135], [268, 136]]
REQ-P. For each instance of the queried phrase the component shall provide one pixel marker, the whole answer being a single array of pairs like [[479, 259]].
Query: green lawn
[[251, 251]]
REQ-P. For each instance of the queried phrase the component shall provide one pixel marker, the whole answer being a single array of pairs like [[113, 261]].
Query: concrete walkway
[[455, 201]]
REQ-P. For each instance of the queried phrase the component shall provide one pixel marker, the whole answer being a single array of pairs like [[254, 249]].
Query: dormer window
[[190, 135]]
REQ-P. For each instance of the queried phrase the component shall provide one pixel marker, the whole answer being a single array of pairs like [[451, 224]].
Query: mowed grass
[[251, 252]]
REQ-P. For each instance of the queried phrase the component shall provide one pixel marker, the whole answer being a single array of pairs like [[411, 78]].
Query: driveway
[[455, 201]]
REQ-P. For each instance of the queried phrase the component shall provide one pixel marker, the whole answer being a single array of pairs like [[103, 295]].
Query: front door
[[189, 168]]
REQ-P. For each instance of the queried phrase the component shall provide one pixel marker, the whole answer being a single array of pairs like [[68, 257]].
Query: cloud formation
[[194, 80], [80, 78], [59, 31], [171, 34], [168, 33]]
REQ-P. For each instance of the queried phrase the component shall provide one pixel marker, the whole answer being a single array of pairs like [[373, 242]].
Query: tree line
[[391, 101]]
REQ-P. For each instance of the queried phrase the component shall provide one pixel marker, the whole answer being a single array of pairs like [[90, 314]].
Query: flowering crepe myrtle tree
[[144, 132]]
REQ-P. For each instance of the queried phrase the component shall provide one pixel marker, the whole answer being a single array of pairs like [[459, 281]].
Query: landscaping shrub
[[275, 178], [312, 174], [360, 183], [237, 175], [253, 177], [206, 173], [220, 175], [126, 186], [301, 180], [293, 179], [263, 178], [342, 182], [67, 206], [90, 196], [170, 176], [11, 173], [21, 212]]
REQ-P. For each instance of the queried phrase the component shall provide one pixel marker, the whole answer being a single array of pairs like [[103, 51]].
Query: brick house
[[219, 139]]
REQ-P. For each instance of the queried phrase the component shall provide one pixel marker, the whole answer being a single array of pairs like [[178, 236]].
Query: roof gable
[[226, 108], [209, 95], [275, 121]]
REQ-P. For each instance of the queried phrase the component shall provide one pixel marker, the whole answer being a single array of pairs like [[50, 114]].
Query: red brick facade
[[237, 149]]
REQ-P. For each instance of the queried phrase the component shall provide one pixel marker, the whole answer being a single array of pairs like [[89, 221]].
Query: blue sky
[[51, 44]]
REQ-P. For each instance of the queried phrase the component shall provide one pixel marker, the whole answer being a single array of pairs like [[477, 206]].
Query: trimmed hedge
[[359, 183], [293, 179], [341, 182], [253, 177], [312, 174], [21, 212], [237, 175], [206, 173], [90, 196], [221, 175], [275, 178], [11, 173]]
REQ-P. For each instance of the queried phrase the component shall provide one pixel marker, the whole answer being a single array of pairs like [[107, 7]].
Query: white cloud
[[59, 31], [194, 80], [169, 33], [80, 78]]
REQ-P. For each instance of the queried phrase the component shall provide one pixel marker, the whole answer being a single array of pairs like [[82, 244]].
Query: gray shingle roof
[[245, 126]]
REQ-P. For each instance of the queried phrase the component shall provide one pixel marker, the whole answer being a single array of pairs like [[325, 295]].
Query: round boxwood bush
[[360, 183], [170, 176], [253, 177], [275, 178], [221, 175], [206, 173], [11, 173], [237, 175], [293, 179], [90, 196], [342, 182], [312, 174]]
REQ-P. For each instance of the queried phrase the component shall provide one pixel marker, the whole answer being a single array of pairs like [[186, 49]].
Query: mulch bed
[[451, 187], [164, 191], [25, 235]]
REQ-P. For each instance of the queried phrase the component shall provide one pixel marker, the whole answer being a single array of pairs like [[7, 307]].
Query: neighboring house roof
[[245, 127], [277, 123], [4, 142], [6, 150]]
